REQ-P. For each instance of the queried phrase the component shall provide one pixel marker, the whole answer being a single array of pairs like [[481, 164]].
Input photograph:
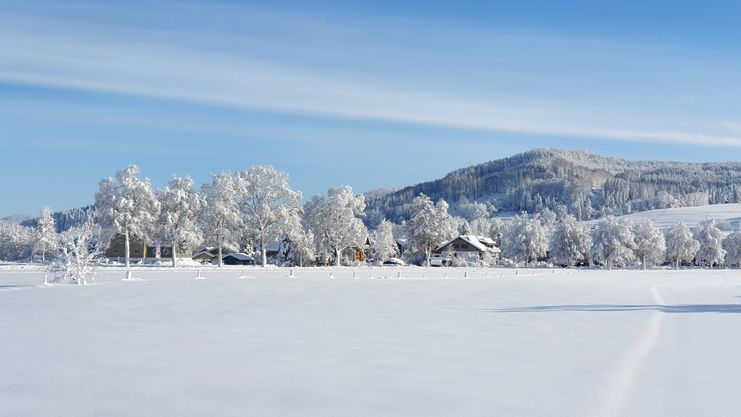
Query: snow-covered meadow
[[563, 343]]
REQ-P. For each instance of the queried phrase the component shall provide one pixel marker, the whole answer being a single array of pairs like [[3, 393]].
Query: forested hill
[[580, 182], [64, 220]]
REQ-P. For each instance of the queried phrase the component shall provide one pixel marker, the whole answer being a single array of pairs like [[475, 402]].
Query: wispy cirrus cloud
[[199, 75]]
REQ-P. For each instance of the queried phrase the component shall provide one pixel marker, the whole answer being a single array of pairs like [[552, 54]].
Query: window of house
[[115, 251], [136, 251]]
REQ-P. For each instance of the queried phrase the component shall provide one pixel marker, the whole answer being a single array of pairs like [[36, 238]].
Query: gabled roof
[[485, 240], [472, 240], [240, 256], [209, 250]]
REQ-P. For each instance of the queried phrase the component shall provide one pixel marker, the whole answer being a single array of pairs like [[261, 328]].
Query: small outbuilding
[[238, 259]]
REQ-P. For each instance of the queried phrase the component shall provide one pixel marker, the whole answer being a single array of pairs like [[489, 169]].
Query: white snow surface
[[539, 343], [664, 218]]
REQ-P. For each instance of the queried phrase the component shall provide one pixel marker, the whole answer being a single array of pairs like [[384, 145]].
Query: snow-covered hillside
[[730, 213], [569, 343]]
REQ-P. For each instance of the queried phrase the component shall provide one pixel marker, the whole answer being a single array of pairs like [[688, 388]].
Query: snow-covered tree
[[78, 248], [732, 245], [525, 240], [613, 242], [473, 210], [711, 250], [335, 221], [219, 218], [126, 204], [493, 228], [299, 240], [570, 242], [262, 192], [429, 225], [180, 210], [383, 245], [16, 241], [547, 218], [681, 247], [650, 243], [45, 236], [462, 226]]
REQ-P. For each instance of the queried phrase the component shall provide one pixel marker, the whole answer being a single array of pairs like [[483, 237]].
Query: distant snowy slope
[[663, 218], [16, 218]]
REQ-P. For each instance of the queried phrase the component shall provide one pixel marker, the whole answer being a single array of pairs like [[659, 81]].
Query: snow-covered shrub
[[78, 249]]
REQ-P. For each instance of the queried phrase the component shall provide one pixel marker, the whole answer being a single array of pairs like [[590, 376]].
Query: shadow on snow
[[681, 308]]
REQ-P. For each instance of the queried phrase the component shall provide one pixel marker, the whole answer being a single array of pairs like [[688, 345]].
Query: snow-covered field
[[573, 343], [664, 218]]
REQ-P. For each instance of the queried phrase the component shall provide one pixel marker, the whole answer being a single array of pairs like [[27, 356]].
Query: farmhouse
[[468, 247]]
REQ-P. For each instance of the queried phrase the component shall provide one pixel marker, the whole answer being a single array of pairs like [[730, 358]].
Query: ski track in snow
[[623, 381]]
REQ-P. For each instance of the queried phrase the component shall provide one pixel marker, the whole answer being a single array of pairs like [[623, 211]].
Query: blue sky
[[370, 94]]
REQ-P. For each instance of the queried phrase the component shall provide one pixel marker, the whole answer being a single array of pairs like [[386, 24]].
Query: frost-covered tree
[[613, 242], [732, 245], [547, 218], [16, 242], [45, 236], [126, 204], [462, 226], [262, 192], [525, 240], [681, 247], [219, 218], [473, 210], [299, 242], [570, 242], [78, 248], [650, 243], [711, 250], [180, 208], [335, 221], [429, 225], [383, 245], [493, 228]]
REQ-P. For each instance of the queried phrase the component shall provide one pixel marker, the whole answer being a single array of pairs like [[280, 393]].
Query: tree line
[[246, 210]]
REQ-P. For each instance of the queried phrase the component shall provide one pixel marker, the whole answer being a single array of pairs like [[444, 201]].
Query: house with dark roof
[[238, 258]]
